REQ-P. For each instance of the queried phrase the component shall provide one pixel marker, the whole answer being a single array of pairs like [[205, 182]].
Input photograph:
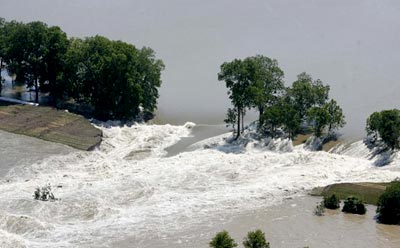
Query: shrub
[[354, 206], [319, 209], [255, 239], [332, 202], [222, 240], [389, 205]]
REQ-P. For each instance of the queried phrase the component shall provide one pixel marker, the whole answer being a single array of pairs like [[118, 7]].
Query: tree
[[255, 239], [223, 240], [307, 93], [319, 119], [336, 116], [231, 116], [389, 205], [332, 202], [271, 119], [57, 45], [236, 76], [149, 69], [354, 206], [266, 82], [386, 126], [112, 76]]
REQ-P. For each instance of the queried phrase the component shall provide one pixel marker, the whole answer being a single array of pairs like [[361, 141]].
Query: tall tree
[[266, 79], [386, 126], [307, 93], [236, 77], [56, 48], [336, 116]]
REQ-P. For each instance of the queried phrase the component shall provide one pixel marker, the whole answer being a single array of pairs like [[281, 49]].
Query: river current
[[130, 193]]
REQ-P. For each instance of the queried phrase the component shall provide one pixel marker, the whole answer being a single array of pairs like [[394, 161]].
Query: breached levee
[[108, 195], [50, 124]]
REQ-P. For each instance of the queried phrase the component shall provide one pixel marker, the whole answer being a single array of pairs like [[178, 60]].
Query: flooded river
[[132, 193]]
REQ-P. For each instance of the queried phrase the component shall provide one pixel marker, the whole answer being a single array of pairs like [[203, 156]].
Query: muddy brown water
[[291, 224]]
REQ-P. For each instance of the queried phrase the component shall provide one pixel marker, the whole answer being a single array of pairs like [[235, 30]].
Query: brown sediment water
[[290, 224]]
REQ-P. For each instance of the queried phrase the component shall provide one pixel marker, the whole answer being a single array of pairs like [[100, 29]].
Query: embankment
[[50, 124]]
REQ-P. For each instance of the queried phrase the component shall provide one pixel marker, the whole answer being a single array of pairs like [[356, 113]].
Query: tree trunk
[[36, 91], [1, 68], [238, 123], [242, 122]]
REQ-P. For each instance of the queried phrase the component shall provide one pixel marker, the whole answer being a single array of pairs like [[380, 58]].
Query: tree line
[[256, 83], [114, 79]]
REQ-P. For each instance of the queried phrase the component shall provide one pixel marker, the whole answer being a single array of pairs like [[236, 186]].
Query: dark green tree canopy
[[222, 240], [385, 126], [389, 205], [114, 78]]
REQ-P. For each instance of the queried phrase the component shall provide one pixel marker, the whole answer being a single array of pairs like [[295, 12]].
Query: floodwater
[[131, 193], [287, 225]]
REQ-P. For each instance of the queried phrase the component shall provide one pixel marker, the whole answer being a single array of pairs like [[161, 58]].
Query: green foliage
[[308, 93], [389, 205], [354, 206], [336, 116], [332, 202], [319, 118], [231, 116], [386, 126], [236, 77], [255, 239], [114, 78], [223, 240]]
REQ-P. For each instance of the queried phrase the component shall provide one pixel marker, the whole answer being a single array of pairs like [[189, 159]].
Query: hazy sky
[[352, 45]]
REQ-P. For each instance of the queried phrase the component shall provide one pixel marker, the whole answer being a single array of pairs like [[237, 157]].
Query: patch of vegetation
[[255, 239], [114, 79], [354, 206], [367, 192], [385, 126], [319, 209], [389, 205], [222, 240], [257, 83], [44, 194], [331, 202]]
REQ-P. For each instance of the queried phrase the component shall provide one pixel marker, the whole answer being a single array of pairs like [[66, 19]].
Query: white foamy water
[[128, 188]]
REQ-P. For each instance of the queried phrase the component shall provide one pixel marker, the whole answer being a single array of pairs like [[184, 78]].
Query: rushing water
[[130, 193]]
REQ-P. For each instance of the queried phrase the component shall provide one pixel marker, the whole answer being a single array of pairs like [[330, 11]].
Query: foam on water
[[128, 187]]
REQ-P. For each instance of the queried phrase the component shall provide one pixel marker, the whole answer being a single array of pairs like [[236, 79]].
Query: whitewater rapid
[[129, 188]]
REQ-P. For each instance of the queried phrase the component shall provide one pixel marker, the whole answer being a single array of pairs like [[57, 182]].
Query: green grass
[[367, 192]]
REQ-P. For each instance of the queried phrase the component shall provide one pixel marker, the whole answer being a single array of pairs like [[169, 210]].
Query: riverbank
[[50, 124], [368, 192]]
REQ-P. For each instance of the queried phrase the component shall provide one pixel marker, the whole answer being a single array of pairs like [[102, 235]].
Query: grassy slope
[[51, 125], [367, 192]]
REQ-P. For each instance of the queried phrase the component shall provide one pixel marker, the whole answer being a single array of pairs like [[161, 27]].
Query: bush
[[389, 205], [255, 239], [319, 209], [222, 240], [354, 206], [332, 202]]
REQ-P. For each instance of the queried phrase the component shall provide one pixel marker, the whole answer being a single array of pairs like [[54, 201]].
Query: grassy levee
[[367, 192], [50, 124]]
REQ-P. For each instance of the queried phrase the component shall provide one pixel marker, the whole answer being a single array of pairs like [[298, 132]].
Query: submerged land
[[50, 124]]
